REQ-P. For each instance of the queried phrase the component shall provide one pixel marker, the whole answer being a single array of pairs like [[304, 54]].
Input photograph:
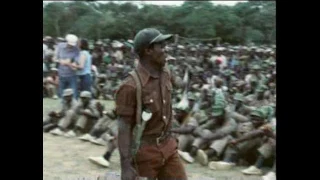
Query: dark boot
[[49, 127]]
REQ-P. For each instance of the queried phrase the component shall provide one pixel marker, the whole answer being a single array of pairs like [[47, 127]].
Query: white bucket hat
[[72, 39]]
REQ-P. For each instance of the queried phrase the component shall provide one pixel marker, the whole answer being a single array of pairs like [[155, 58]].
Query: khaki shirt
[[65, 107], [91, 106], [229, 125], [156, 97]]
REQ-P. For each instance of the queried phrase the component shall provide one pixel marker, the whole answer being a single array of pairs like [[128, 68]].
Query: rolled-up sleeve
[[126, 101]]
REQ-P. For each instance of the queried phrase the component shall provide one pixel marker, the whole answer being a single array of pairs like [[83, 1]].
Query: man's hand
[[197, 132], [86, 112], [52, 113], [58, 114], [128, 173], [66, 62], [233, 142], [73, 66], [207, 135]]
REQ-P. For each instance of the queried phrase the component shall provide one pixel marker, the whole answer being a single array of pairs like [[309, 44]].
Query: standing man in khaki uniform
[[157, 154]]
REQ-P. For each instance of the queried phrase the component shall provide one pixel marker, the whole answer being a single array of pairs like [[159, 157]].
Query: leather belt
[[152, 139]]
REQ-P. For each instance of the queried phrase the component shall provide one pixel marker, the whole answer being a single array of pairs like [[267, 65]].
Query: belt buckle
[[158, 140]]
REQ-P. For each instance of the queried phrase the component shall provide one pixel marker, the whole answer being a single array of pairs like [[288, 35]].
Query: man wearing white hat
[[66, 54]]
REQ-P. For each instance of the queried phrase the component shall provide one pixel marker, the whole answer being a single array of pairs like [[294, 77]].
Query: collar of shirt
[[145, 74]]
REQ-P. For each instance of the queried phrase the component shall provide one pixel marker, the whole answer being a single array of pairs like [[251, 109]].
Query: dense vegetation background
[[240, 24]]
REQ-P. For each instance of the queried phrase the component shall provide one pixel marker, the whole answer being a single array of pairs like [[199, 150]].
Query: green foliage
[[245, 22]]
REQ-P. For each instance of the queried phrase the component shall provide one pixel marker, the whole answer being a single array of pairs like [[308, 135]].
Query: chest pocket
[[151, 103]]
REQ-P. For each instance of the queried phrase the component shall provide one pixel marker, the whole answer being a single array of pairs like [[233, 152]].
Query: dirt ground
[[67, 159]]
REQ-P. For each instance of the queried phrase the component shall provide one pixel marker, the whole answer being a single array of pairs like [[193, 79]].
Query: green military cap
[[233, 78], [240, 83], [273, 105], [243, 57], [54, 69], [107, 59], [179, 91], [113, 75], [197, 95], [102, 76], [272, 85], [239, 97], [228, 72], [91, 46], [67, 92], [85, 94], [60, 39], [98, 42], [191, 96], [262, 88], [206, 48], [180, 47], [148, 36], [210, 45], [259, 112], [256, 67], [183, 105], [127, 44], [253, 79], [268, 112], [199, 69]]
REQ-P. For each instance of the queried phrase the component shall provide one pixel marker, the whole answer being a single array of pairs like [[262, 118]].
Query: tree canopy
[[242, 23]]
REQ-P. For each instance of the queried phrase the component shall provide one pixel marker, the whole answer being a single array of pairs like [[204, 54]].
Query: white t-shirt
[[119, 55], [248, 77], [45, 49]]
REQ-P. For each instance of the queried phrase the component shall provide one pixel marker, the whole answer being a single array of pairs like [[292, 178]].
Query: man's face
[[219, 118], [260, 95], [180, 115], [237, 103], [256, 121], [158, 54], [85, 100], [67, 98], [191, 102], [54, 73], [253, 84]]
